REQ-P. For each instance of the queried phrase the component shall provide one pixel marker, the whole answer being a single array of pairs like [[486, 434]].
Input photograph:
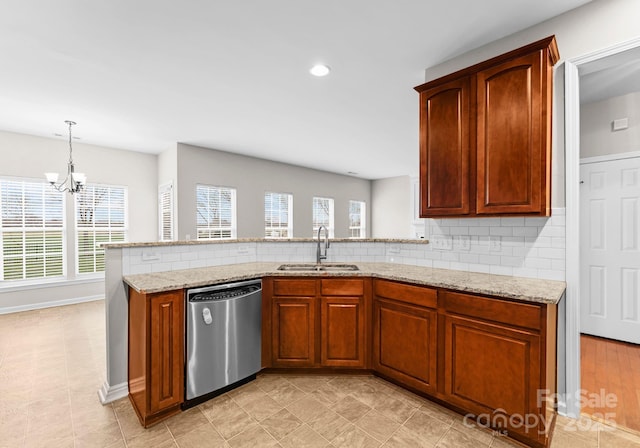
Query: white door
[[610, 249]]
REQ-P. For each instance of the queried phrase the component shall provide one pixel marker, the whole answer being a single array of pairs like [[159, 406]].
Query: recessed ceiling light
[[320, 70]]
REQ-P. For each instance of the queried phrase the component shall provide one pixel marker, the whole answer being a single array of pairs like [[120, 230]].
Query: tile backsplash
[[524, 247]]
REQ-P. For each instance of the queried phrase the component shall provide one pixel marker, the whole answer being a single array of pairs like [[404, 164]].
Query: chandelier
[[74, 182]]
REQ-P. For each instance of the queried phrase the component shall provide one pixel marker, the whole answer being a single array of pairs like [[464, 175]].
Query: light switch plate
[[495, 244], [441, 242], [462, 242]]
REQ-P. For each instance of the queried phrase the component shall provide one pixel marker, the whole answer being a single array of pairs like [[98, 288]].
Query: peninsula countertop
[[516, 288]]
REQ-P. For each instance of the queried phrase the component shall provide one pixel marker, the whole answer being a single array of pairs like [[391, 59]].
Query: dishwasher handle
[[206, 316]]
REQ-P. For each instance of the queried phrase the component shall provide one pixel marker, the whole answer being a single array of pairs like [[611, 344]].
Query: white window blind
[[101, 217], [32, 234], [278, 215], [357, 219], [165, 212], [216, 212], [323, 215]]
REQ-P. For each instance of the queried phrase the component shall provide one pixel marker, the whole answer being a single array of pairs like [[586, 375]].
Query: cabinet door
[[166, 350], [493, 370], [342, 332], [404, 343], [511, 148], [444, 149], [293, 327]]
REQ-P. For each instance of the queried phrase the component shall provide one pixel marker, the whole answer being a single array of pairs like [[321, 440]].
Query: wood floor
[[611, 367]]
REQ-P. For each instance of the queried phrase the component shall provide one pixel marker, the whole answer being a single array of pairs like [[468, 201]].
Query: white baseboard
[[109, 394], [41, 305]]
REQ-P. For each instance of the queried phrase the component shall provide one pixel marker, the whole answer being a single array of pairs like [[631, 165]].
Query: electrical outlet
[[462, 242], [441, 242], [495, 244], [150, 256], [243, 250], [394, 249]]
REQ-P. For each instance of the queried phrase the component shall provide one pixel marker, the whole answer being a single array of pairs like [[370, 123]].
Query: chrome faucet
[[319, 253]]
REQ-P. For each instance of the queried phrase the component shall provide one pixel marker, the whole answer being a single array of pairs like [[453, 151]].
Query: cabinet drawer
[[342, 287], [417, 295], [294, 287], [518, 314]]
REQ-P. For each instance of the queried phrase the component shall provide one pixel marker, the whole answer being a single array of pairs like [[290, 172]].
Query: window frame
[[331, 216], [97, 250], [233, 228], [362, 228], [289, 211], [165, 204], [44, 189]]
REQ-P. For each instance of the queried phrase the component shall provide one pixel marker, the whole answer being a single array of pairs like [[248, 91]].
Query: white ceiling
[[233, 74], [609, 77]]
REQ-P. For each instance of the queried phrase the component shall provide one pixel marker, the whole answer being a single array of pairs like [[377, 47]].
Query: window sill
[[58, 282]]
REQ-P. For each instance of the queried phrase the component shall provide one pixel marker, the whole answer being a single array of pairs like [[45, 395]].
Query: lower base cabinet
[[317, 322], [156, 354], [404, 335], [491, 358]]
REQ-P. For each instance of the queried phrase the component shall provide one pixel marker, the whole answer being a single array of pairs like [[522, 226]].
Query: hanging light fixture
[[74, 182]]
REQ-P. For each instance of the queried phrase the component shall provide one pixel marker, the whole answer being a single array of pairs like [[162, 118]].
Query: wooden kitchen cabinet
[[156, 354], [405, 334], [293, 322], [318, 322], [343, 326], [499, 363], [445, 153], [485, 137]]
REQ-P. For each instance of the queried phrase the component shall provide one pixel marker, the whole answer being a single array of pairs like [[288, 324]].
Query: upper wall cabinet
[[485, 137]]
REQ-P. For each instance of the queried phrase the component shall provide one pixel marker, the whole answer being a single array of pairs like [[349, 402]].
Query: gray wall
[[391, 208], [252, 177], [27, 156], [596, 135]]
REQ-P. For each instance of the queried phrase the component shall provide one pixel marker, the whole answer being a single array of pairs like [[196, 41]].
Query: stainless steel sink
[[308, 267]]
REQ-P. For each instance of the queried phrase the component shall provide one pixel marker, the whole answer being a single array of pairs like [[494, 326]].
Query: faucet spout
[[320, 254]]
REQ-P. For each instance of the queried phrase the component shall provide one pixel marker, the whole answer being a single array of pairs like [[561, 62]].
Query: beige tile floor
[[52, 363]]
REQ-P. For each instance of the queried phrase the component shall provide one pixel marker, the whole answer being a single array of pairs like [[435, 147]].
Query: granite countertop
[[518, 288], [266, 240]]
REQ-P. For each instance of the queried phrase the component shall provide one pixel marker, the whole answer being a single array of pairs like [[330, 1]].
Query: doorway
[[603, 227]]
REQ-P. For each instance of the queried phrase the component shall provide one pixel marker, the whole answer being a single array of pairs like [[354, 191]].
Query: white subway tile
[[485, 268], [537, 263], [512, 261], [459, 230], [441, 264], [512, 222], [525, 272], [525, 231], [552, 253], [469, 258], [501, 270], [501, 231], [550, 274], [478, 230], [489, 259]]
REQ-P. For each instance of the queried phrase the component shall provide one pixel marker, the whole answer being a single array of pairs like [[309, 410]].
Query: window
[[101, 217], [165, 211], [323, 215], [216, 212], [278, 215], [357, 219], [32, 237]]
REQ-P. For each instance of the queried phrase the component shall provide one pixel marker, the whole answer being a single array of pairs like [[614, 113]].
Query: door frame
[[572, 189]]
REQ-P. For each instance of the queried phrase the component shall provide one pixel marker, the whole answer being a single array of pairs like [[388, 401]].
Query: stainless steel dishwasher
[[224, 343]]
